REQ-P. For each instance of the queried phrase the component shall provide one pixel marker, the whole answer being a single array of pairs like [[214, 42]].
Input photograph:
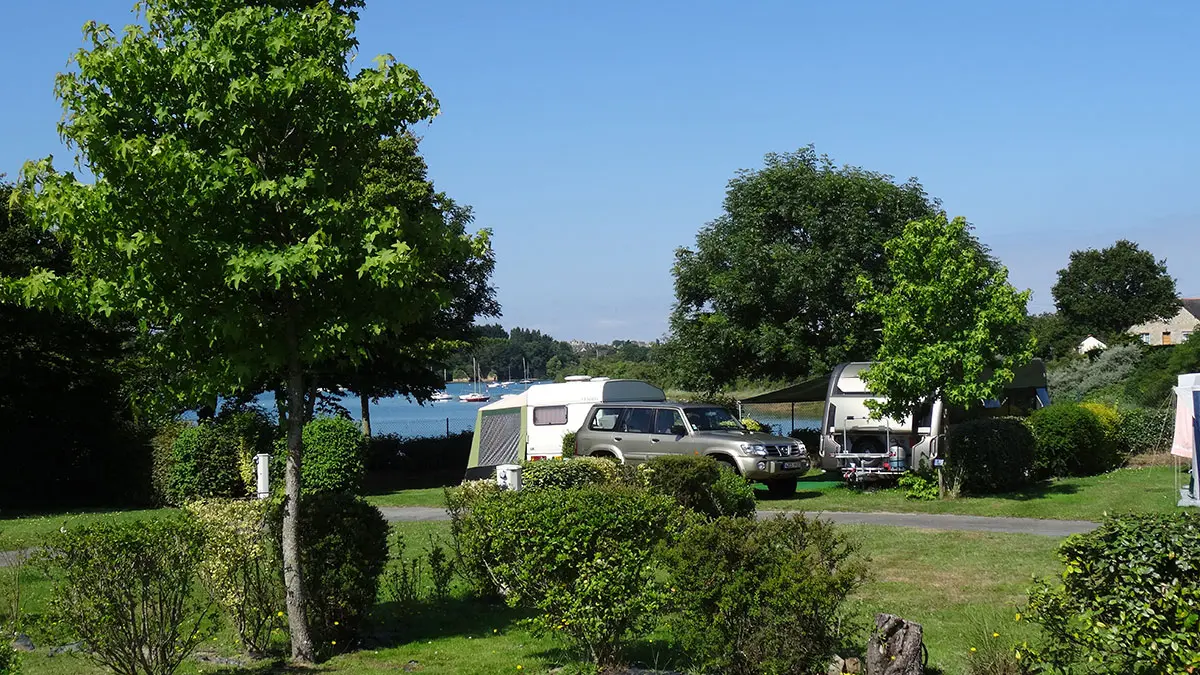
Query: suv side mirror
[[679, 430]]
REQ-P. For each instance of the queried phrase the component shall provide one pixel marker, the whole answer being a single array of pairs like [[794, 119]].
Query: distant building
[[1089, 344], [1172, 332]]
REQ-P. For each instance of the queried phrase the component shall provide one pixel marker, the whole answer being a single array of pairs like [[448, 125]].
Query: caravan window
[[553, 414], [605, 419]]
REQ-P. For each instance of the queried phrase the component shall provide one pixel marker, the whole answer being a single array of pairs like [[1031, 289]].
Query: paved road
[[930, 521]]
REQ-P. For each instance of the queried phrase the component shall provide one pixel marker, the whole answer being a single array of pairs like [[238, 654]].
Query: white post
[[262, 464]]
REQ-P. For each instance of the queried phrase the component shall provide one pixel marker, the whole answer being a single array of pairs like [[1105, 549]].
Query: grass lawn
[[22, 531], [1144, 489], [1147, 489], [959, 585]]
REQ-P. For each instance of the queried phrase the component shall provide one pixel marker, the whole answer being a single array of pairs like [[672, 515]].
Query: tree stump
[[896, 647]]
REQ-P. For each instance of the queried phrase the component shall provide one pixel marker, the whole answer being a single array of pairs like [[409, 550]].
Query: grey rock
[[836, 666], [22, 643], [73, 648], [218, 660]]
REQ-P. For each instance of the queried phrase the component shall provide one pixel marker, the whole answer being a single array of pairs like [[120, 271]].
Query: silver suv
[[634, 432]]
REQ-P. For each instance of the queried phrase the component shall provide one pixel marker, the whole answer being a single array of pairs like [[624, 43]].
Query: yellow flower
[[333, 642], [995, 635], [1018, 656], [972, 650], [279, 614], [520, 667], [336, 623], [1018, 616]]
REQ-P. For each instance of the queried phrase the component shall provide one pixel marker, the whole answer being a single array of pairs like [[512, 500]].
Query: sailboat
[[442, 395], [475, 396], [524, 365]]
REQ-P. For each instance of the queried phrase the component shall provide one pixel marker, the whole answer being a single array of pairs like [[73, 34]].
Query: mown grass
[[956, 584], [1151, 489], [26, 530]]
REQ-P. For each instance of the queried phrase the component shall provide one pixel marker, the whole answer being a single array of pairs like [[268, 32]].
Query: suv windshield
[[712, 419]]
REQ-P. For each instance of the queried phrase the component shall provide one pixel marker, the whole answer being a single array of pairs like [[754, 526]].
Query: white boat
[[441, 396], [475, 396]]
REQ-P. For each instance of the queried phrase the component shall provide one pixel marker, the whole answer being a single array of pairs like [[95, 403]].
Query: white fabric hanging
[[1185, 437]]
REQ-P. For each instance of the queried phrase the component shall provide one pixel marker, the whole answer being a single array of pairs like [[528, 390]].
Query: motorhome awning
[[1030, 376], [812, 389]]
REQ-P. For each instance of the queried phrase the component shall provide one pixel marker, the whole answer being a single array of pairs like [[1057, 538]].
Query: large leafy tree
[[227, 140], [952, 325], [1108, 290], [769, 290]]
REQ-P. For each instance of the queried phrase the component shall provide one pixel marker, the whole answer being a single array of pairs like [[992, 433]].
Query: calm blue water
[[400, 415]]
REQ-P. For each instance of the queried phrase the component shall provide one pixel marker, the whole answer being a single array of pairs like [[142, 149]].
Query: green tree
[[228, 141], [1106, 291], [769, 290], [953, 327]]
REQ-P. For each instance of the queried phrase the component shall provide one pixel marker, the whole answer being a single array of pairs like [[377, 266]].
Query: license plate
[[793, 465]]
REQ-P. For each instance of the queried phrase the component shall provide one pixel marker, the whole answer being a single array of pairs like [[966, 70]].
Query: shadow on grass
[[395, 625], [648, 654], [387, 482], [1039, 490], [273, 667]]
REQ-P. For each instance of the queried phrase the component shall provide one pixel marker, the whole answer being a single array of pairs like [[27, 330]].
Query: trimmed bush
[[162, 449], [251, 432], [126, 589], [577, 472], [761, 596], [10, 662], [568, 445], [696, 483], [1070, 441], [1110, 422], [468, 537], [1129, 599], [242, 570], [333, 456], [204, 465], [419, 455], [810, 437], [581, 558], [1145, 430], [343, 550], [990, 454]]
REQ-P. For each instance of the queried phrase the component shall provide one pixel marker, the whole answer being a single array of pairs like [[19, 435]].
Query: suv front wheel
[[781, 488]]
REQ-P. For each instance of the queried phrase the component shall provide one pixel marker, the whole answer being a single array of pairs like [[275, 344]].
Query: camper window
[[639, 420], [605, 419], [546, 415]]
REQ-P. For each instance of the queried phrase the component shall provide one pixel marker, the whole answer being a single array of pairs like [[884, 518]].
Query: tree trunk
[[310, 403], [281, 405], [896, 647], [302, 646], [366, 414]]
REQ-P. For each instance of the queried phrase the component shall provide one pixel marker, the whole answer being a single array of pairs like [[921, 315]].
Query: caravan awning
[[814, 389]]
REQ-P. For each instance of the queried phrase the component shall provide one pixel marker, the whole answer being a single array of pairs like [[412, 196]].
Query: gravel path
[[929, 521]]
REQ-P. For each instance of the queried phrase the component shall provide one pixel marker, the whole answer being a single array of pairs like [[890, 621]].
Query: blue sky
[[595, 138]]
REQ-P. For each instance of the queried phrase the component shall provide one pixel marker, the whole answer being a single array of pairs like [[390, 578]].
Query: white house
[[1172, 332], [1090, 343]]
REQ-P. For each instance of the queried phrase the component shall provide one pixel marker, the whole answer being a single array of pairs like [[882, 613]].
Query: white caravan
[[865, 447], [531, 425]]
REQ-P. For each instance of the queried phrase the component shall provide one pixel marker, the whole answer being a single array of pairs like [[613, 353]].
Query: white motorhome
[[531, 425], [861, 446]]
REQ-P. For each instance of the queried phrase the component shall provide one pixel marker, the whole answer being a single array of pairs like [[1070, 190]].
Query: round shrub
[[761, 596], [1110, 422], [582, 558], [204, 464], [1070, 441], [1145, 430], [700, 484], [568, 444], [343, 550], [1127, 600], [990, 455]]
